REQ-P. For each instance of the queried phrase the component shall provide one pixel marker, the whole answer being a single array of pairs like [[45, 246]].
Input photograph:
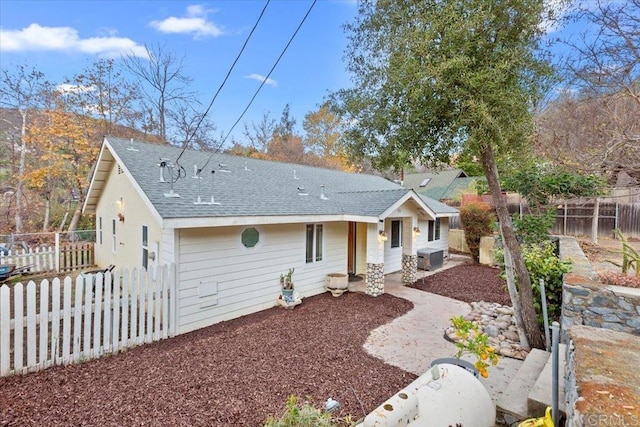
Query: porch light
[[382, 236], [417, 230]]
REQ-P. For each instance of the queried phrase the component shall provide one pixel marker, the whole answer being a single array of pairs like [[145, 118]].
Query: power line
[[263, 81], [190, 137]]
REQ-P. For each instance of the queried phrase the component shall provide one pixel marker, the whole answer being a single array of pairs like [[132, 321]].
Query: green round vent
[[250, 237]]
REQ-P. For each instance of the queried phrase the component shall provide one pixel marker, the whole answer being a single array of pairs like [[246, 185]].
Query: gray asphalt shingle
[[252, 187]]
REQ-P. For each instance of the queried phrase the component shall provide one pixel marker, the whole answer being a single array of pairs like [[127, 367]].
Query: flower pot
[[287, 295], [337, 283]]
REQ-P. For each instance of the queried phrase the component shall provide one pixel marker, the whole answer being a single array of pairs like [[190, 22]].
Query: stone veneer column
[[409, 268], [375, 279]]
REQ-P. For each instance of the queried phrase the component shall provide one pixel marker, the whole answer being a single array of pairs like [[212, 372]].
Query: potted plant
[[286, 282]]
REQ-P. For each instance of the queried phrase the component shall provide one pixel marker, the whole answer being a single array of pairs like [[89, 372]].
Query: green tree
[[435, 77]]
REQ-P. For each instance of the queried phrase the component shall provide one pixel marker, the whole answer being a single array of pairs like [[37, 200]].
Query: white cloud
[[69, 88], [262, 78], [65, 39], [195, 23]]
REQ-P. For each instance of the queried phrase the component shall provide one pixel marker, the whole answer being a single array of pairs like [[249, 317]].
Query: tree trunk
[[75, 219], [515, 299], [47, 213], [594, 221], [21, 168], [511, 244]]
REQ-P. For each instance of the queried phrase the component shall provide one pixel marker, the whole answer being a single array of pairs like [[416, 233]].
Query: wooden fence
[[576, 218], [64, 322], [65, 257]]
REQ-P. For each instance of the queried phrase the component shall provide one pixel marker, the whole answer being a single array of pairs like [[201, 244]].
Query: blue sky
[[61, 38]]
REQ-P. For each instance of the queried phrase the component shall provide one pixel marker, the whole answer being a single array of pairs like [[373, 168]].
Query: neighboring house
[[446, 185], [232, 233]]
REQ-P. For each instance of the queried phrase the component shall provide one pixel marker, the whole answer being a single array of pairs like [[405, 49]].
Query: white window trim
[[114, 242], [314, 243], [390, 240], [145, 260]]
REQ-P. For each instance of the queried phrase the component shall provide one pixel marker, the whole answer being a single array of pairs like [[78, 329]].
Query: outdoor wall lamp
[[417, 230], [382, 236], [120, 204]]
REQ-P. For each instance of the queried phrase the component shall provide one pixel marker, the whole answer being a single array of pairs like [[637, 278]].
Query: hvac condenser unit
[[430, 259]]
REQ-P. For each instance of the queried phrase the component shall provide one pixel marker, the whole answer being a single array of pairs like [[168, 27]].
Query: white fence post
[[57, 253]]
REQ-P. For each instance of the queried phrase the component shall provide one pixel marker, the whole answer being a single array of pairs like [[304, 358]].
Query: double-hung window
[[314, 243], [145, 246], [434, 230], [113, 235], [396, 233]]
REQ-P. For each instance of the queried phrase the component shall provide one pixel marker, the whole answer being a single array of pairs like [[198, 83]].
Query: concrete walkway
[[412, 341]]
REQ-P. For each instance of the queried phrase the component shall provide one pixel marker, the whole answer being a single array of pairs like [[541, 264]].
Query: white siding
[[442, 243], [220, 279]]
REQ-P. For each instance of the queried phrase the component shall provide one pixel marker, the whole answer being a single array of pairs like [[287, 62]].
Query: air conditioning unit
[[430, 259]]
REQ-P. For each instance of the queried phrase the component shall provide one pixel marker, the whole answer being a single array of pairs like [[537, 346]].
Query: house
[[231, 225], [446, 185]]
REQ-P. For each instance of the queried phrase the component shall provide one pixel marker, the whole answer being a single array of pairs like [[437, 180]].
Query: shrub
[[475, 343], [533, 228], [477, 221], [302, 416], [542, 263]]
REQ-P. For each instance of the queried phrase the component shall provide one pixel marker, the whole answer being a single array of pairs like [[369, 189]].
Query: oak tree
[[433, 77]]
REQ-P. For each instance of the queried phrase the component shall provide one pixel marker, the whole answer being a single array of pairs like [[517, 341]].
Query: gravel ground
[[234, 373], [469, 283]]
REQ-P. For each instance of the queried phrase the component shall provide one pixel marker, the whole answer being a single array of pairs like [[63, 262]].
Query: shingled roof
[[245, 186]]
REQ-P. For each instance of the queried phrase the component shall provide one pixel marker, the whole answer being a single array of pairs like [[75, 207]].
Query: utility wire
[[190, 137], [263, 81]]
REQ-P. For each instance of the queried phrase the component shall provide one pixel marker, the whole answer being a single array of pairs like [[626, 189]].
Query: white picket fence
[[99, 315], [38, 259]]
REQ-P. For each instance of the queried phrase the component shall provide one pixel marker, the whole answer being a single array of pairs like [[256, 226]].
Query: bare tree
[[592, 134], [192, 129], [594, 126], [21, 90], [259, 134], [163, 82], [609, 60]]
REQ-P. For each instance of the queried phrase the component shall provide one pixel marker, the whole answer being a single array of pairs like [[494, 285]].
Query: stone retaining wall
[[587, 301], [602, 381], [601, 323]]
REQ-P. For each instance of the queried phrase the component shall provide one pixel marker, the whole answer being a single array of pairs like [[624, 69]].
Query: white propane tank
[[446, 395]]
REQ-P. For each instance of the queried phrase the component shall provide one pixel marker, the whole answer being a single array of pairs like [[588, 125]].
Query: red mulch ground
[[234, 373], [469, 283]]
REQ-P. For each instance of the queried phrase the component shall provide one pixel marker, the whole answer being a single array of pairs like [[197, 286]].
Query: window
[[250, 237], [434, 230], [100, 230], [113, 235], [425, 182], [314, 243], [396, 233], [145, 246]]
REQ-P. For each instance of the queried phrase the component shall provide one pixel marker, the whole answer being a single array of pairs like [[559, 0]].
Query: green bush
[[542, 263], [300, 416], [534, 228], [477, 221]]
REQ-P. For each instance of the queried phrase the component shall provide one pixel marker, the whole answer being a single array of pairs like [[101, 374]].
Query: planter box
[[337, 283]]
